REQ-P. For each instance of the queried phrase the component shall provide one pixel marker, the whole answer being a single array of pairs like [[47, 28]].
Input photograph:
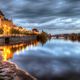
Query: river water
[[57, 58]]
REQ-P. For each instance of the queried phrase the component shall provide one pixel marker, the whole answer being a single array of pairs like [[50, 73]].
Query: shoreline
[[10, 71]]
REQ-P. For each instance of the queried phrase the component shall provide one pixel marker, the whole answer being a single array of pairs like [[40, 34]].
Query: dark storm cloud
[[40, 11], [6, 7], [41, 8]]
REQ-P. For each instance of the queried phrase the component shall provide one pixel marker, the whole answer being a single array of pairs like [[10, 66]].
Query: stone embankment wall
[[16, 39]]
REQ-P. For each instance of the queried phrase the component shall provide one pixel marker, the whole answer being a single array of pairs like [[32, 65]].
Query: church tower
[[1, 18], [1, 13]]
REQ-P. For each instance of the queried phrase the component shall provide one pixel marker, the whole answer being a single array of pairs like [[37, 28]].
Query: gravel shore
[[9, 71]]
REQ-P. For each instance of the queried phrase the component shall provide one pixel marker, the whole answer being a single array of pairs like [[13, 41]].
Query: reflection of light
[[17, 52], [22, 49], [31, 46], [8, 51], [27, 48]]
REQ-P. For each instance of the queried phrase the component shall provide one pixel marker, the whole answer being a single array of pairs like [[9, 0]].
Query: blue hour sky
[[49, 14]]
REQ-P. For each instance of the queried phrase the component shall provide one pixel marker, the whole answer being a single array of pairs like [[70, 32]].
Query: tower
[[1, 18], [1, 13]]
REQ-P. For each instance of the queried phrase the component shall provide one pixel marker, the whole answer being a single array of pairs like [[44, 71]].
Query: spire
[[1, 13]]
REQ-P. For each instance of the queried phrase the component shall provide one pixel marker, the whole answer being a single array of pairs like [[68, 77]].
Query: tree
[[43, 37], [35, 30]]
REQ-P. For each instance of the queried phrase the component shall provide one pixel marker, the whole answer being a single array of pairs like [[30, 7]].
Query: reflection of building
[[7, 52]]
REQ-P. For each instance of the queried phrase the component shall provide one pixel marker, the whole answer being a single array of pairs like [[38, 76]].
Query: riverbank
[[9, 71], [16, 39]]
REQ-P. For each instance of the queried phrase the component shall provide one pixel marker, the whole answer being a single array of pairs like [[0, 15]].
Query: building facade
[[5, 24]]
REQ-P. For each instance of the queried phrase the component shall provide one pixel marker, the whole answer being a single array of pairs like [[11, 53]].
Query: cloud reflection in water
[[56, 57]]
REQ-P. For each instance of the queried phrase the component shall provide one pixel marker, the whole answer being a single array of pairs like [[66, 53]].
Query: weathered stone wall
[[2, 40], [21, 39], [16, 39]]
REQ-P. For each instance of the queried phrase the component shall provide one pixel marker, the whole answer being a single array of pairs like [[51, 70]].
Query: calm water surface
[[54, 58]]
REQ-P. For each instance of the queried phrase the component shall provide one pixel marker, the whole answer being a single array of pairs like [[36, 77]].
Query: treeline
[[42, 37], [73, 36]]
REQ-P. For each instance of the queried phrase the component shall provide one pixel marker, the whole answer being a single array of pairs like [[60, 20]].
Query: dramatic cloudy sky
[[44, 14]]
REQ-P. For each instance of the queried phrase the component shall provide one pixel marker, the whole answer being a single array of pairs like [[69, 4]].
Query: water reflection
[[8, 51], [56, 58]]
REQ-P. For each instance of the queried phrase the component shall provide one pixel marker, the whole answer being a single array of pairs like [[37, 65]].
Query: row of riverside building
[[7, 24]]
